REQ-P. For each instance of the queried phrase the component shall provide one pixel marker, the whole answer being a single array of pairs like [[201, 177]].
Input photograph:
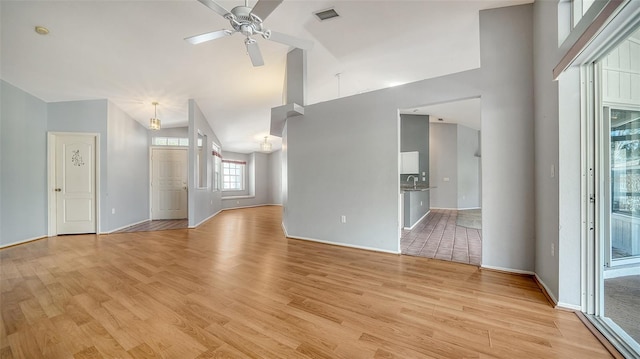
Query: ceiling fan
[[248, 22]]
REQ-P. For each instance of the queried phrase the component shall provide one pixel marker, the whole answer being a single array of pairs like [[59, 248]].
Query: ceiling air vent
[[326, 14]]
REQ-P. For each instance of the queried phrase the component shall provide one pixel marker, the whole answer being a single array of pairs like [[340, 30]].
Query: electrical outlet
[[553, 249], [420, 203], [343, 219], [553, 171], [113, 211], [446, 179]]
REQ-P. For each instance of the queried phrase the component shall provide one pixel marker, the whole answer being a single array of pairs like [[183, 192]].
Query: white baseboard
[[204, 220], [568, 306], [230, 198], [22, 241], [284, 229], [508, 270], [456, 209], [342, 244], [251, 206], [418, 221], [546, 289], [123, 227]]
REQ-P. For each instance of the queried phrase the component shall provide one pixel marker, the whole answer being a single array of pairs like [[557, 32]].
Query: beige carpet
[[470, 218], [622, 303]]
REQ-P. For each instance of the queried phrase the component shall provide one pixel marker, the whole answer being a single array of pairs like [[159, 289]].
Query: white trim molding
[[23, 241], [549, 292], [339, 244], [418, 221], [204, 220], [507, 270]]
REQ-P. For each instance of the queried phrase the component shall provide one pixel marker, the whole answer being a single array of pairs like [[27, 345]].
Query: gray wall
[[259, 173], [128, 170], [558, 144], [23, 166], [203, 202], [453, 151], [342, 159], [416, 205], [508, 210], [469, 182], [87, 117], [333, 148], [26, 119], [443, 153], [275, 178], [547, 140], [414, 136]]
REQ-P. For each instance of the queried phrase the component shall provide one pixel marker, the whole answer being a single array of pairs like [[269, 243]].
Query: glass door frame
[[596, 145], [610, 261]]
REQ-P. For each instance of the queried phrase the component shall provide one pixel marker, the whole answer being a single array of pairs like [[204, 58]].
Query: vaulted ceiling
[[133, 53]]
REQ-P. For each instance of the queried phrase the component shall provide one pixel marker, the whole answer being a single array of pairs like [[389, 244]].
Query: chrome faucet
[[415, 180]]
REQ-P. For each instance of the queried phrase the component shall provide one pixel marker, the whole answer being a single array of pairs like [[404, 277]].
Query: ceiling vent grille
[[326, 14]]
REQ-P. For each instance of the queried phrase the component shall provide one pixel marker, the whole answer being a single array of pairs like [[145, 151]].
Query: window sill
[[238, 197]]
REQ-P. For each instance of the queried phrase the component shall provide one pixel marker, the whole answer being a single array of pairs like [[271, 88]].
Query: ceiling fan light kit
[[248, 22]]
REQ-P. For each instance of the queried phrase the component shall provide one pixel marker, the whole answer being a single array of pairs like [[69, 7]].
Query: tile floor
[[157, 225], [437, 236]]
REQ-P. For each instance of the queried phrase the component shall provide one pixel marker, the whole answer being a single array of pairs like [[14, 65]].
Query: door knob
[[58, 189]]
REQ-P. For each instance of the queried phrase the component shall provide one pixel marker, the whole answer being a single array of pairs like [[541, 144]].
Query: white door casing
[[168, 183], [75, 184]]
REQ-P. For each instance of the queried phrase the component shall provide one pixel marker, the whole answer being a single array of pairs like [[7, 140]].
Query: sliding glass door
[[616, 193]]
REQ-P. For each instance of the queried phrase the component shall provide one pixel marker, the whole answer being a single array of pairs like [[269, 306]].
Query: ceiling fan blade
[[215, 7], [265, 7], [208, 36], [290, 40], [254, 53]]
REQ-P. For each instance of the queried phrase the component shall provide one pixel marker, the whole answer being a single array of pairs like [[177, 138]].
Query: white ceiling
[[133, 53], [464, 112]]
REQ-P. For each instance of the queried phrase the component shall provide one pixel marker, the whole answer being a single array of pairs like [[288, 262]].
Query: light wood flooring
[[438, 236], [237, 288]]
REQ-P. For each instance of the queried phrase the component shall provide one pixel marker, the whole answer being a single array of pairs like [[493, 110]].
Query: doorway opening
[[441, 191]]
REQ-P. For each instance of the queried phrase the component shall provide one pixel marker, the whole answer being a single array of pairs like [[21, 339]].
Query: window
[[579, 9], [170, 141], [217, 166], [233, 175], [201, 161]]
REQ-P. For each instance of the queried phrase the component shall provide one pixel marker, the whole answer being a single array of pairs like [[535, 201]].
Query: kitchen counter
[[415, 204], [414, 189]]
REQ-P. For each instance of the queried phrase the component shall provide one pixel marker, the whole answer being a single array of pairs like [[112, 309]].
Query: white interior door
[[75, 169], [168, 183]]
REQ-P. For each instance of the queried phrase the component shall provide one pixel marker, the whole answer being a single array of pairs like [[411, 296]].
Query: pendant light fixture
[[154, 122], [265, 146]]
